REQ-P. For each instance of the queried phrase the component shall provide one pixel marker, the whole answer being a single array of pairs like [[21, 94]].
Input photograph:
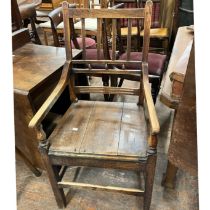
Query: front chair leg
[[149, 179], [53, 176]]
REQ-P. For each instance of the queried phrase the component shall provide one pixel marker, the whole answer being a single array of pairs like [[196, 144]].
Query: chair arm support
[[53, 97], [154, 123]]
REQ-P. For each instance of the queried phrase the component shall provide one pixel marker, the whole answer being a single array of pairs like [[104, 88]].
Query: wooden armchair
[[55, 26], [98, 134], [28, 15]]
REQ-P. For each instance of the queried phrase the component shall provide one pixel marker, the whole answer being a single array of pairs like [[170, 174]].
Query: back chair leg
[[35, 34], [155, 89], [150, 172], [105, 80], [45, 38], [53, 177], [114, 81]]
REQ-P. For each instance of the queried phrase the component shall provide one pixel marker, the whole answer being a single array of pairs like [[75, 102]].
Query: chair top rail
[[106, 13]]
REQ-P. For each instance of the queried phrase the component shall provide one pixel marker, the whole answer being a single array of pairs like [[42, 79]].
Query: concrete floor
[[34, 193]]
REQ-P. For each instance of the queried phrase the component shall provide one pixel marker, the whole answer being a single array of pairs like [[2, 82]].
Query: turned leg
[[170, 176], [53, 176], [149, 179]]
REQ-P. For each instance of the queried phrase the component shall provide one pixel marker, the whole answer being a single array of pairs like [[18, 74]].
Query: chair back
[[20, 37], [112, 65]]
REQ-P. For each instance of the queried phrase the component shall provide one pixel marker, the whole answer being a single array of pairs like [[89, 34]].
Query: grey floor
[[34, 193]]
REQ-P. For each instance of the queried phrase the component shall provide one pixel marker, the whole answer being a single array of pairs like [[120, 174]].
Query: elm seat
[[119, 123], [155, 62]]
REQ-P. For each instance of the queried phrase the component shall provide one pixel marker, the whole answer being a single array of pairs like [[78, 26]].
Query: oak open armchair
[[115, 135]]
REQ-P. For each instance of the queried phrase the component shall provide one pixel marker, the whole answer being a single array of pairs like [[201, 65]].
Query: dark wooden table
[[36, 71]]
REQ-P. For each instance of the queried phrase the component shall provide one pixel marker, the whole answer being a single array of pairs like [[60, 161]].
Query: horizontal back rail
[[106, 90], [105, 62], [105, 71], [106, 13]]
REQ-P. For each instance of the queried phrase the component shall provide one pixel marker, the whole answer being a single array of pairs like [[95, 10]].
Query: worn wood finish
[[173, 83], [114, 162], [186, 157], [129, 191], [149, 180], [36, 71], [19, 38], [154, 123], [181, 63], [107, 71], [112, 90], [101, 134], [27, 162], [122, 120], [102, 13]]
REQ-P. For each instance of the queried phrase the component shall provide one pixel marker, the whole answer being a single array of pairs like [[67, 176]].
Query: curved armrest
[[56, 16], [47, 105], [154, 123]]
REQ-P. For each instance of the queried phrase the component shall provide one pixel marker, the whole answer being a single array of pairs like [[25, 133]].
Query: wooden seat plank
[[103, 131], [133, 131], [68, 138]]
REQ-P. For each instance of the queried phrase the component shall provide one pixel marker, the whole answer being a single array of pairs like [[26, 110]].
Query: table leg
[[169, 177], [27, 162]]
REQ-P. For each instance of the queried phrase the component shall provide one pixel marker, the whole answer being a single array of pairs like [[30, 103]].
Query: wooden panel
[[68, 138], [133, 131], [19, 38], [25, 139], [103, 131], [32, 64]]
